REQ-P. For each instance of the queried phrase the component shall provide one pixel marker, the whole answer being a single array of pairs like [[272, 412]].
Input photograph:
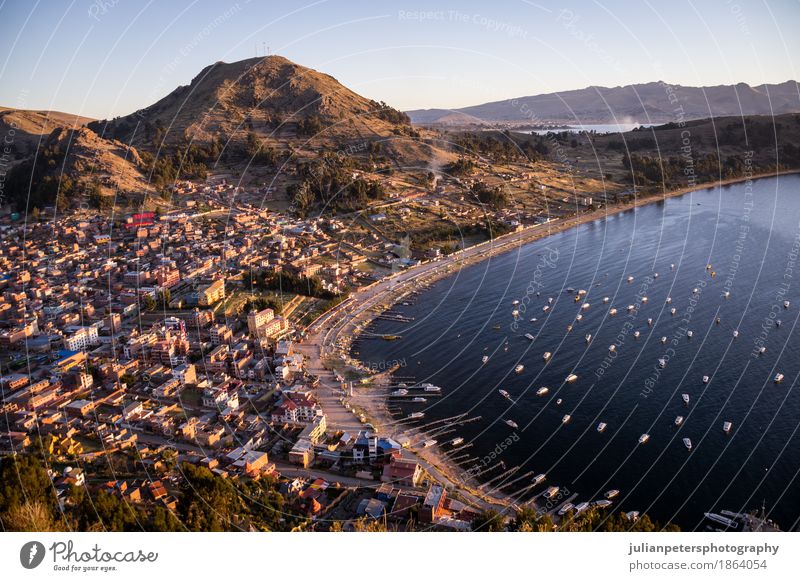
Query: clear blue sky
[[103, 58]]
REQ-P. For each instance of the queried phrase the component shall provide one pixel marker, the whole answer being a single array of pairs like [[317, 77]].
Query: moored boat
[[688, 443], [601, 427], [542, 391], [644, 438]]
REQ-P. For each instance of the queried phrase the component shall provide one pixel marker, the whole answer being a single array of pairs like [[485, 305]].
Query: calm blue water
[[751, 253], [598, 127]]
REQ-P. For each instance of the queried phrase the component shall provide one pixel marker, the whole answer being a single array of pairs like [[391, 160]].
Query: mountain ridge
[[643, 103]]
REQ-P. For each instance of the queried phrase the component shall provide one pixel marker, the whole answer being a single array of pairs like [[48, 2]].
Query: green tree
[[489, 521]]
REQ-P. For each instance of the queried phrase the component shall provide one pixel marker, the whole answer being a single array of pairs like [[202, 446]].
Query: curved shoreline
[[329, 336]]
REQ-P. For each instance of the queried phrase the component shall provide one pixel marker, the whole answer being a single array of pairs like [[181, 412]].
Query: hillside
[[283, 104], [673, 156], [641, 103], [256, 121], [75, 167], [29, 127]]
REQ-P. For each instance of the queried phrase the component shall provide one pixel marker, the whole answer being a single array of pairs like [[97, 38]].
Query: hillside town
[[159, 340]]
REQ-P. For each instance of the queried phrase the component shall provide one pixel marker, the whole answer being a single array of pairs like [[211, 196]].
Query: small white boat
[[400, 392], [558, 401], [430, 388], [566, 507], [669, 300], [515, 313], [529, 337], [762, 350], [611, 493], [416, 415], [419, 400], [662, 363], [603, 503], [663, 339], [550, 492], [786, 304], [606, 299], [688, 443], [579, 508], [612, 312], [612, 348], [566, 418], [428, 443], [735, 334], [706, 379], [519, 368], [512, 424], [655, 275], [585, 306], [571, 377], [673, 310], [515, 302], [579, 317], [504, 393], [726, 294], [644, 438], [545, 308], [695, 290], [631, 307], [588, 338], [726, 427], [690, 334], [685, 397], [636, 334], [645, 299], [534, 319], [630, 279], [650, 322], [678, 420], [632, 515], [539, 478], [542, 391], [778, 377], [547, 355], [456, 441], [601, 427], [485, 359], [550, 300], [778, 323]]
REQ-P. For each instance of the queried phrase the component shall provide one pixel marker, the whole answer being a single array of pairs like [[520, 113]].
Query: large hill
[[273, 98], [643, 103], [253, 119]]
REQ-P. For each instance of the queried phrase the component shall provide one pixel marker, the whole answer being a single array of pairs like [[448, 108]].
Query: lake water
[[750, 237], [597, 127]]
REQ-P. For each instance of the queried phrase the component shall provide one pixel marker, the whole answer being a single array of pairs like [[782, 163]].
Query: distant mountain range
[[643, 103]]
